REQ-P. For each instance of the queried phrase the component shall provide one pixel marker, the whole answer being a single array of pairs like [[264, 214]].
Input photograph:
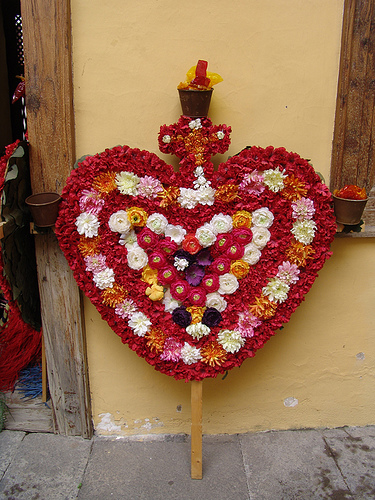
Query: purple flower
[[194, 274], [181, 317], [211, 317], [203, 257], [182, 254]]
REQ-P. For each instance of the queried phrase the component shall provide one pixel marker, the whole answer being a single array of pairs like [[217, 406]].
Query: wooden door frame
[[50, 122]]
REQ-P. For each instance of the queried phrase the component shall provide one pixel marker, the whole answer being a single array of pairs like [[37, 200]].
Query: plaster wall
[[279, 60]]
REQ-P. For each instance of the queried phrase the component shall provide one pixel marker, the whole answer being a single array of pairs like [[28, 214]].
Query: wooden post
[[196, 429], [44, 373]]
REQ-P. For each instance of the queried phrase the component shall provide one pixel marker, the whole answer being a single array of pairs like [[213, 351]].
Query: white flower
[[304, 231], [119, 222], [200, 181], [198, 171], [261, 236], [220, 134], [129, 239], [140, 323], [188, 198], [277, 290], [127, 183], [190, 354], [166, 139], [217, 301], [198, 330], [175, 233], [230, 340], [221, 223], [137, 258], [263, 217], [205, 195], [252, 254], [274, 179], [126, 309], [157, 223], [205, 235], [195, 124], [104, 279], [87, 224], [228, 284], [180, 264], [170, 304]]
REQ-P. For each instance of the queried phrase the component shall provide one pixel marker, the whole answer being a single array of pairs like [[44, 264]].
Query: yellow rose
[[155, 292], [196, 313], [239, 268], [137, 216], [149, 275], [242, 218]]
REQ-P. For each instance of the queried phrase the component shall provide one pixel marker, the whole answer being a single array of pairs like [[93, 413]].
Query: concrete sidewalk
[[285, 465]]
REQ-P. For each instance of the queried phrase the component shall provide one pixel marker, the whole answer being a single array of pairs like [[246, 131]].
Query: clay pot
[[348, 212], [195, 103], [44, 208]]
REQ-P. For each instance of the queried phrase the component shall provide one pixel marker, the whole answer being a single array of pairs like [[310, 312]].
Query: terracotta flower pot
[[44, 208], [348, 212], [195, 103]]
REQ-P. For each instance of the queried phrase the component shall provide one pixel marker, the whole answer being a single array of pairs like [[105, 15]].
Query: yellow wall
[[279, 60]]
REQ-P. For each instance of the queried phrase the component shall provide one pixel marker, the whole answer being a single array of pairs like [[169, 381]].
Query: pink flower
[[172, 350], [149, 187], [90, 202], [95, 263], [247, 322], [303, 209], [252, 183], [288, 273]]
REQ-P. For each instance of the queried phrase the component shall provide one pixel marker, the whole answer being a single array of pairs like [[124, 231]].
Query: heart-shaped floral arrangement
[[195, 269]]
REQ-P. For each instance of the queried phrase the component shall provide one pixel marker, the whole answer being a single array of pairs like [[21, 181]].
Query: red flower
[[191, 244]]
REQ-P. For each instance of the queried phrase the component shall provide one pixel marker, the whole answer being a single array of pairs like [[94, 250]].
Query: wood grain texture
[[50, 119], [196, 429]]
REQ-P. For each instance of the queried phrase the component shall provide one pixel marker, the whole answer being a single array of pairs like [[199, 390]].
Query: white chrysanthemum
[[276, 290], [199, 171], [157, 223], [198, 330], [127, 183], [274, 179], [195, 124], [166, 139], [263, 217], [221, 223], [170, 304], [230, 340], [200, 181], [215, 300], [220, 135], [188, 198], [190, 354], [252, 254], [87, 224], [228, 284], [261, 236], [206, 195], [304, 231], [180, 264], [175, 233], [205, 235], [129, 239], [104, 279], [139, 323], [119, 222], [137, 258]]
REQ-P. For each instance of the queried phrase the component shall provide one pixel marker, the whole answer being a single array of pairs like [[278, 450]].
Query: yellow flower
[[263, 308], [298, 253], [105, 183], [155, 292], [239, 268], [213, 354], [149, 275], [242, 218], [227, 193], [89, 246], [196, 313], [137, 216], [113, 296], [294, 189], [169, 196], [155, 340]]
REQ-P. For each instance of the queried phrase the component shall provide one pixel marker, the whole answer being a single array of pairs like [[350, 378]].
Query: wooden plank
[[50, 119], [44, 373], [196, 429], [30, 415]]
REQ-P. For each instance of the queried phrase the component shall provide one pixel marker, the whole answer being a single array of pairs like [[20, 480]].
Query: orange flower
[[88, 246], [227, 193], [105, 183], [242, 218], [196, 313], [191, 244], [294, 189], [149, 275], [263, 308], [137, 216], [113, 296], [298, 253], [169, 196], [155, 340], [239, 268], [213, 354], [155, 292]]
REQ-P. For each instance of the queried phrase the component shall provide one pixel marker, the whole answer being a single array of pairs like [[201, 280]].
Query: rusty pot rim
[[30, 199], [347, 199]]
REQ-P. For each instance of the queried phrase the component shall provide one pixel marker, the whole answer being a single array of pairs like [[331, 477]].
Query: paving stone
[[9, 442], [161, 471], [291, 465], [46, 467]]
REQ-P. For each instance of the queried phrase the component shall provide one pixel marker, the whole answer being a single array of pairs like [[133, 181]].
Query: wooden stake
[[44, 373], [196, 429]]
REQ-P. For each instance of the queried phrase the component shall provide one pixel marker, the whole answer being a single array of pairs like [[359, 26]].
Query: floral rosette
[[195, 270]]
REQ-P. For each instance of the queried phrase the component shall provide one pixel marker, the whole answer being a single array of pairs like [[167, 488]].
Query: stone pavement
[[285, 465]]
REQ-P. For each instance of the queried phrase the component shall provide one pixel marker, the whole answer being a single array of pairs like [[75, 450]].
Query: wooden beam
[[50, 123], [196, 429]]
